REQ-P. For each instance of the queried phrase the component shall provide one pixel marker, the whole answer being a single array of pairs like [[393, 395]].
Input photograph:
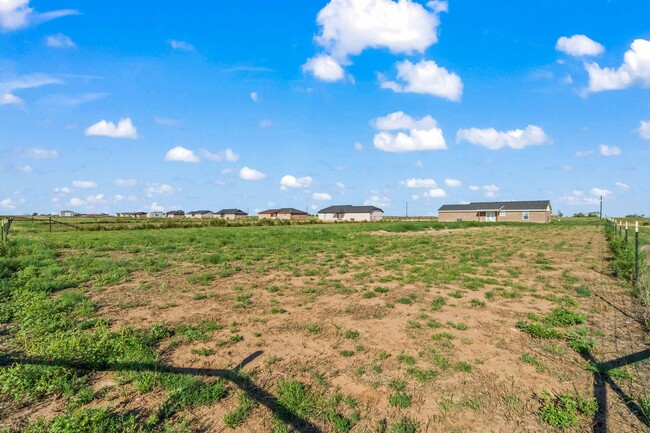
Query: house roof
[[231, 212], [347, 208], [175, 212], [535, 205], [199, 212], [289, 210]]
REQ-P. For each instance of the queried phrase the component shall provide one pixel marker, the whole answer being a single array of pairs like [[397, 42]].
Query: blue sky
[[127, 106]]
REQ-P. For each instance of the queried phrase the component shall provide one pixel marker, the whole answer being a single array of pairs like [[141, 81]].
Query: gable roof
[[231, 212], [535, 205], [289, 210], [175, 212], [347, 208], [199, 212]]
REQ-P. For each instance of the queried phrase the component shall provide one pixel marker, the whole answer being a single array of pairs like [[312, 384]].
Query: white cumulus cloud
[[321, 196], [123, 129], [158, 189], [578, 198], [289, 181], [453, 183], [600, 191], [226, 155], [435, 193], [248, 173], [419, 183], [578, 46], [254, 97], [634, 70], [377, 200], [16, 14], [427, 78], [490, 191], [125, 182], [606, 150], [644, 129], [25, 169], [494, 140], [181, 154], [324, 68], [84, 184], [76, 202], [348, 27], [59, 41], [423, 134], [7, 203], [10, 99], [401, 120]]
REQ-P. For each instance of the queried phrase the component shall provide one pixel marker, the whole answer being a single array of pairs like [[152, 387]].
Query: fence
[[622, 231], [5, 225]]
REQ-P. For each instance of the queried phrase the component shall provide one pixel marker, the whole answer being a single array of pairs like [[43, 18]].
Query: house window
[[502, 213], [525, 215]]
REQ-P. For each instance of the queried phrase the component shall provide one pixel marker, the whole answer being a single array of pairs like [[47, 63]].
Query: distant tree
[[578, 215], [560, 214], [593, 215]]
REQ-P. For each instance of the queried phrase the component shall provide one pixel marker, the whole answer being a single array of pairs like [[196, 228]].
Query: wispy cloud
[[59, 41], [37, 153], [181, 45], [72, 100]]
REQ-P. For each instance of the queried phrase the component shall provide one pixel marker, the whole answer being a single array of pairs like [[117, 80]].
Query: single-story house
[[131, 214], [538, 211], [350, 213], [285, 213], [230, 214], [200, 214], [175, 214], [156, 214], [67, 213]]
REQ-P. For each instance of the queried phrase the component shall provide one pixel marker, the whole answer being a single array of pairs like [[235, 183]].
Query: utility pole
[[601, 208], [407, 209]]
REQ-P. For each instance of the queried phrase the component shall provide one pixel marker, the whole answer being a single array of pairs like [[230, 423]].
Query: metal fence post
[[636, 255], [626, 232]]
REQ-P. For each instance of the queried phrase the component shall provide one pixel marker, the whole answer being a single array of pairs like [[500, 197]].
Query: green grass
[[237, 416], [539, 330], [563, 411], [404, 425], [533, 360]]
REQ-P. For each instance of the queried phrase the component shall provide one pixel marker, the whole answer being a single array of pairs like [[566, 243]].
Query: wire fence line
[[629, 261]]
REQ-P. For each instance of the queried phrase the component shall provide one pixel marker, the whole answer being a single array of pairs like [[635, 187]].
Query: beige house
[[175, 214], [501, 211], [231, 214], [350, 213], [285, 213], [200, 214]]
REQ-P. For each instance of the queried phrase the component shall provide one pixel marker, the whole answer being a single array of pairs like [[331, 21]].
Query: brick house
[[285, 213], [350, 213], [538, 211]]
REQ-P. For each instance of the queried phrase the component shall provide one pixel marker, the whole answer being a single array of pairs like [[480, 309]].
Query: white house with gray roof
[[350, 213]]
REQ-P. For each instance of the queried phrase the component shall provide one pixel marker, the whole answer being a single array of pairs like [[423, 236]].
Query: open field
[[382, 327]]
